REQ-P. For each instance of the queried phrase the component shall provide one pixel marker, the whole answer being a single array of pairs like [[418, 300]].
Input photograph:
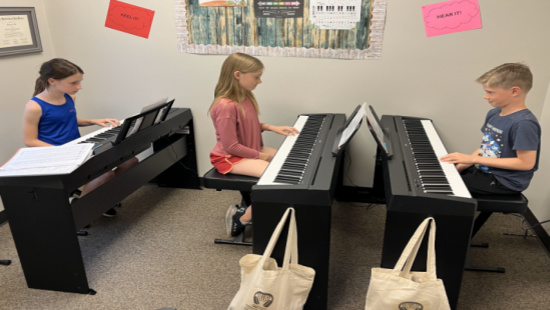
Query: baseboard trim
[[541, 233]]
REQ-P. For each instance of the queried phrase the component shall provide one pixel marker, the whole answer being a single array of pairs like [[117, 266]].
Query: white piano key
[[452, 175]]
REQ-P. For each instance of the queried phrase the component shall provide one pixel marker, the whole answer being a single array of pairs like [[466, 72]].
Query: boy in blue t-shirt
[[509, 152]]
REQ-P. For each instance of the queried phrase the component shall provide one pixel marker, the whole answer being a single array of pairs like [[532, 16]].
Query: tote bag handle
[[291, 248], [409, 253]]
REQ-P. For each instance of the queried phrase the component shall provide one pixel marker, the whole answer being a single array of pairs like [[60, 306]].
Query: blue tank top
[[58, 124]]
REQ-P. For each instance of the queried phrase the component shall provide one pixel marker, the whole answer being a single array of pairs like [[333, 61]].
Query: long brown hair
[[56, 68], [228, 86]]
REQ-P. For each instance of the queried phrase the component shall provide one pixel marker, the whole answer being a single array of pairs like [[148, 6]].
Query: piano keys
[[426, 146], [44, 223], [292, 158], [302, 174], [105, 138], [102, 138], [418, 185]]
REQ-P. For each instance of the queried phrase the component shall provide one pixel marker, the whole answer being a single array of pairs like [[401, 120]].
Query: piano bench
[[242, 183], [487, 204], [214, 179]]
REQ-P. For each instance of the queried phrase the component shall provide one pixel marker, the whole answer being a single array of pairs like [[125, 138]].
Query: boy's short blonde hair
[[508, 75]]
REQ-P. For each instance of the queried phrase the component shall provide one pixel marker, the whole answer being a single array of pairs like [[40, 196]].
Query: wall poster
[[341, 29]]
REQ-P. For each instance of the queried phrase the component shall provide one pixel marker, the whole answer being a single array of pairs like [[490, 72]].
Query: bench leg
[[478, 223], [239, 240]]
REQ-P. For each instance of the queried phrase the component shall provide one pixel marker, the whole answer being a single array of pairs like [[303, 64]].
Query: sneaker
[[110, 213], [233, 223], [229, 218]]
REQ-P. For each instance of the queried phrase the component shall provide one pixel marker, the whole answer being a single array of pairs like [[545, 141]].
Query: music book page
[[61, 159]]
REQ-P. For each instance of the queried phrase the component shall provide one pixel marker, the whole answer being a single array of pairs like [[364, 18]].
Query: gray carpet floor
[[159, 252]]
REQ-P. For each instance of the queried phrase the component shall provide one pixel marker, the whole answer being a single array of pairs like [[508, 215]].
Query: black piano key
[[293, 166], [293, 173], [285, 179], [298, 161], [443, 192], [427, 180], [436, 187]]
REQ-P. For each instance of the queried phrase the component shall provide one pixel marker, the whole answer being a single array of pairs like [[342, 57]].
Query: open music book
[[44, 160]]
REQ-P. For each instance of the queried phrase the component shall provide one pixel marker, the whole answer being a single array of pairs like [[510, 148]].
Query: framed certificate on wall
[[18, 31]]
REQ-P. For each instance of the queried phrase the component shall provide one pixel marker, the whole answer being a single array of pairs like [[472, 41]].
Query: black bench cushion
[[501, 203], [216, 180]]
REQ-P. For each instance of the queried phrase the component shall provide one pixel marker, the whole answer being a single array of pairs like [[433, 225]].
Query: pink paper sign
[[451, 16], [129, 18]]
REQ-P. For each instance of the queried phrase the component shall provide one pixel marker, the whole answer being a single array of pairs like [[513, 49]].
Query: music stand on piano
[[143, 120], [380, 135], [349, 129]]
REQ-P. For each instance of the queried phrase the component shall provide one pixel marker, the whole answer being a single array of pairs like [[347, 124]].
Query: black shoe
[[110, 213]]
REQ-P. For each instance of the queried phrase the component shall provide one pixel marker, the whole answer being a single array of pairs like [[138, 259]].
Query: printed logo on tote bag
[[264, 298], [410, 305]]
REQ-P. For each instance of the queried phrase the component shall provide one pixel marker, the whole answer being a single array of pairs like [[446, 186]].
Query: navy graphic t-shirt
[[503, 136]]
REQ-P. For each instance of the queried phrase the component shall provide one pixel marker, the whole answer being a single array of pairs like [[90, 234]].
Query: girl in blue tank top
[[50, 117]]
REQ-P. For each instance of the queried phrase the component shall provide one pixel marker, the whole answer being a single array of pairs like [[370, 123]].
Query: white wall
[[420, 76], [538, 192]]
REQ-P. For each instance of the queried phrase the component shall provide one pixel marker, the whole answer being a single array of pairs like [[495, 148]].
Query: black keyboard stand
[[44, 223]]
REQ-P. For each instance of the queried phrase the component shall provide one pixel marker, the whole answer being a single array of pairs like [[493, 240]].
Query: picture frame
[[19, 31]]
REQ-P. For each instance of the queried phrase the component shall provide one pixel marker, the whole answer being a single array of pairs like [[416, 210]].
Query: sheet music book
[[44, 160]]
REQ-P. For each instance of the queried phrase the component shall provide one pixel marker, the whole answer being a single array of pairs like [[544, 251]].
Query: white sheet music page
[[47, 160]]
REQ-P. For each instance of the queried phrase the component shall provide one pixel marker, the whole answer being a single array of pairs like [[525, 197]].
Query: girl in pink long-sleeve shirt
[[239, 148]]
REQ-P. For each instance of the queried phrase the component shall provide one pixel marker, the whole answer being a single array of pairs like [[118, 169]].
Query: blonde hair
[[228, 86], [508, 75], [57, 69]]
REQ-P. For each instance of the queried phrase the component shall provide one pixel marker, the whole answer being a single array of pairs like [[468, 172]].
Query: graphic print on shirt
[[491, 145]]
